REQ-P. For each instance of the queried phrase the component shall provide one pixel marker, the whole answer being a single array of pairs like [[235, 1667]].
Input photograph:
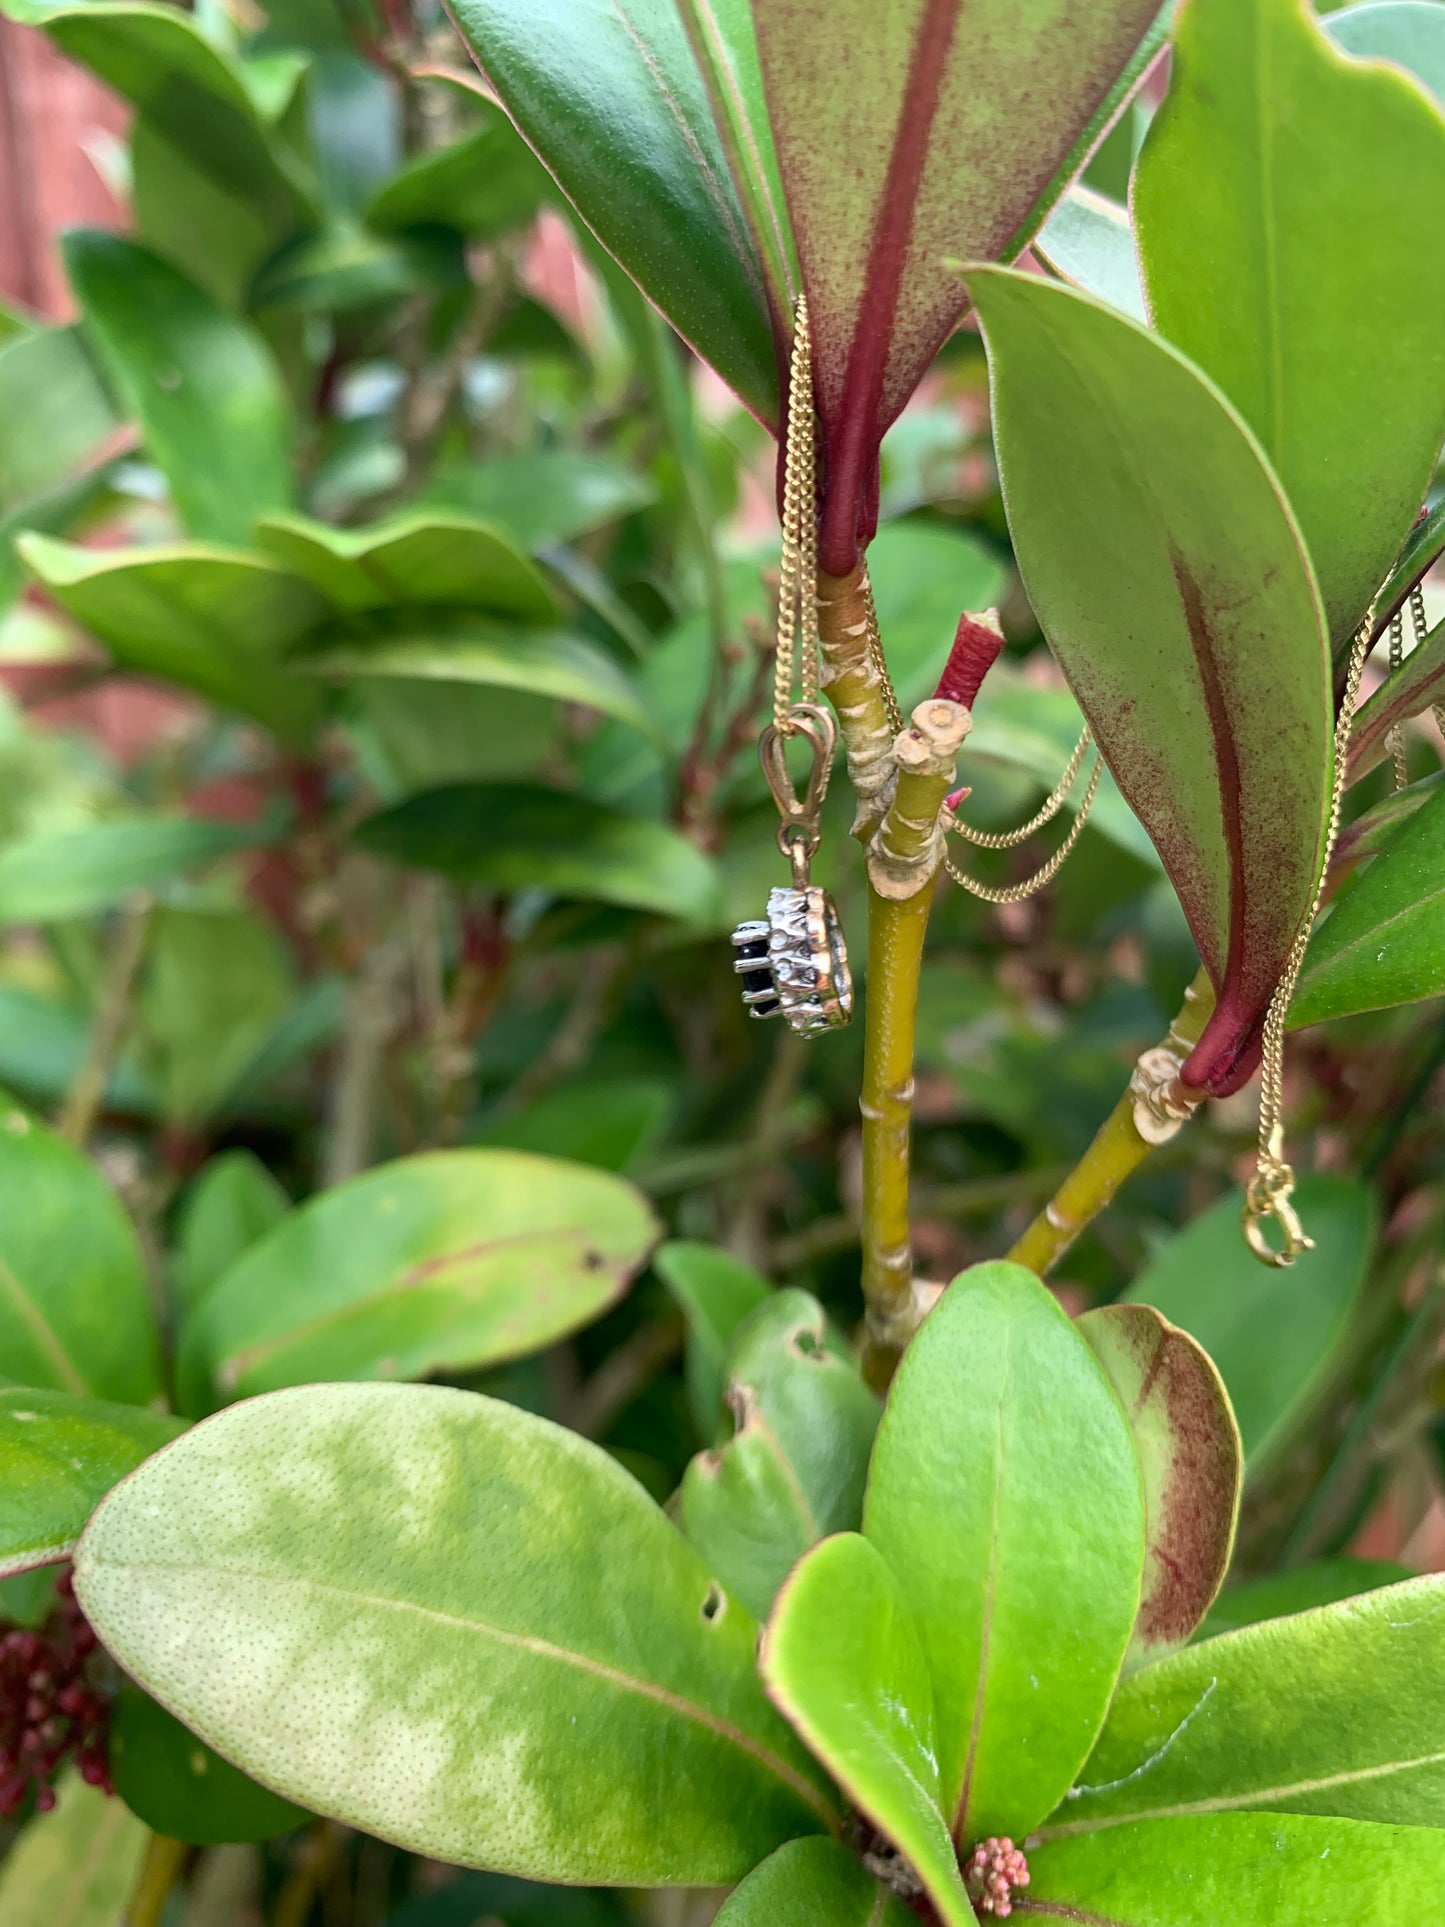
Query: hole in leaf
[[808, 1344], [715, 1604]]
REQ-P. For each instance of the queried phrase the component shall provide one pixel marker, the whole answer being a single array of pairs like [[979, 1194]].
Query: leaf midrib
[[41, 1329], [526, 1642], [1370, 935]]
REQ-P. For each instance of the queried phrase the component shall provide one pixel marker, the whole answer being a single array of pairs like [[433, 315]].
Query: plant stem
[[316, 1858], [895, 956], [1134, 1128], [159, 1871], [112, 1019]]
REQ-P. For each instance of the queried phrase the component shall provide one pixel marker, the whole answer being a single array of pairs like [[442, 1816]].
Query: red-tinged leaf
[[1415, 685], [1167, 571], [906, 133], [1193, 1466]]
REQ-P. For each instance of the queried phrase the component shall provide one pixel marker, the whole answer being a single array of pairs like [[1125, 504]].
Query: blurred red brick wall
[[53, 119]]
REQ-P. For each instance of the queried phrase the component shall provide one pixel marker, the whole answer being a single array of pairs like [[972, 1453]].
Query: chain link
[[1395, 741], [1046, 812], [875, 653], [1017, 892], [797, 637], [1421, 627], [1269, 1191]]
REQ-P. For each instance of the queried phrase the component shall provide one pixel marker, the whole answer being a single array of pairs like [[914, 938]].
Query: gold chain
[[1269, 1191], [875, 652], [1046, 812], [1395, 741], [1017, 892], [798, 577], [1421, 627]]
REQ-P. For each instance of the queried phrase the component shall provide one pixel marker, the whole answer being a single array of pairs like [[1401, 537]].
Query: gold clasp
[[798, 831], [1268, 1195]]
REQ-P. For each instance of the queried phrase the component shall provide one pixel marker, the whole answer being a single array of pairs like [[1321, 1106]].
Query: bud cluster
[[992, 1872], [50, 1710]]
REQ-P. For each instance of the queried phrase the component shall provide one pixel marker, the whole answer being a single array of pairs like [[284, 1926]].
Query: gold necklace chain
[[797, 639], [1269, 1191]]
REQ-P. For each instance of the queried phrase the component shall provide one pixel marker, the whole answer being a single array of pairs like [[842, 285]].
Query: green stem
[[112, 1019], [1120, 1146], [160, 1869]]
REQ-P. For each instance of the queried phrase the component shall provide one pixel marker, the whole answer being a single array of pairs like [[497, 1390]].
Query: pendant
[[794, 964]]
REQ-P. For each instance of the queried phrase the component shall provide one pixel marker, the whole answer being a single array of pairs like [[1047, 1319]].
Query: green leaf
[[812, 1883], [612, 101], [459, 646], [611, 1122], [1192, 1462], [1424, 545], [1276, 1336], [843, 1659], [1245, 1868], [76, 872], [212, 620], [716, 1292], [75, 1309], [1411, 33], [483, 185], [179, 1787], [1413, 687], [344, 268], [59, 1456], [43, 1042], [230, 1206], [1384, 942], [449, 1259], [942, 152], [795, 1467], [1318, 1584], [1005, 1494], [514, 837], [463, 1629], [74, 1867], [192, 96], [1337, 1711], [1302, 181], [1088, 240], [201, 384], [217, 982], [418, 558], [1166, 570], [212, 233], [54, 413], [543, 497]]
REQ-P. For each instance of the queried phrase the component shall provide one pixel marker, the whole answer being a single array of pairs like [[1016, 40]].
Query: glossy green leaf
[[344, 268], [159, 60], [76, 872], [212, 232], [1089, 241], [1275, 1335], [1250, 1869], [547, 496], [1384, 942], [1166, 570], [75, 1867], [75, 1309], [372, 1599], [482, 185], [1192, 1462], [1423, 546], [513, 837], [812, 1883], [1302, 181], [1413, 687], [416, 558], [200, 383], [1410, 33], [1337, 1711], [213, 620], [179, 1787], [611, 98], [795, 1467], [843, 1659], [216, 984], [1299, 1590], [942, 152], [463, 646], [612, 1122], [59, 1456], [54, 412], [231, 1205], [1006, 1496], [716, 1292], [449, 1259]]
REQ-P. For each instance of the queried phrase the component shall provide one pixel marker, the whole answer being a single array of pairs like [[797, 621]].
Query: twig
[[159, 1871], [570, 1042], [370, 1021], [87, 1093], [970, 1197], [317, 1856], [628, 1370]]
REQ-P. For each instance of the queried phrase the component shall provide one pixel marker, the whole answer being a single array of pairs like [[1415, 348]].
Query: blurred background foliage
[[387, 607]]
